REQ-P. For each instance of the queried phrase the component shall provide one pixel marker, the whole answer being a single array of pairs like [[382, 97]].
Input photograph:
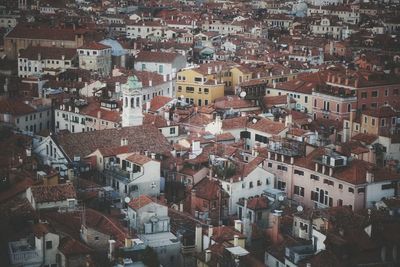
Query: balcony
[[23, 253], [115, 171]]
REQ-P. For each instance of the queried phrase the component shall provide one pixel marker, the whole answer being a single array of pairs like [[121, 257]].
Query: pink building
[[324, 178], [333, 103]]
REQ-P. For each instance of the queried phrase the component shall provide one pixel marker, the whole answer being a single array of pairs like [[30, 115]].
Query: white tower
[[132, 102]]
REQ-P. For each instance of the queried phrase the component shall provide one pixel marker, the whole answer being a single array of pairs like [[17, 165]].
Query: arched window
[[321, 196], [132, 104], [126, 102], [137, 101]]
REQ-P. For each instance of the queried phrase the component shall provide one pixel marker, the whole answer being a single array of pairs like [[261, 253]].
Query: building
[[59, 196], [133, 175], [37, 61], [200, 86], [36, 250], [29, 116], [152, 223], [83, 115], [23, 35], [95, 57], [144, 29], [208, 201], [161, 62]]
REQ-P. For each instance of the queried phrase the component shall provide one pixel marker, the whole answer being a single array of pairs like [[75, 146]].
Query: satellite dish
[[127, 200], [309, 120], [299, 208], [281, 198], [254, 121], [242, 94]]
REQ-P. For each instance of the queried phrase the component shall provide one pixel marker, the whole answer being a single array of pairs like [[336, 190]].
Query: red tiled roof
[[225, 233], [140, 202], [365, 138], [146, 56], [209, 189], [158, 102], [94, 46], [32, 52], [267, 126], [70, 246], [139, 159], [381, 112], [234, 123], [52, 193], [24, 31], [228, 102], [14, 107]]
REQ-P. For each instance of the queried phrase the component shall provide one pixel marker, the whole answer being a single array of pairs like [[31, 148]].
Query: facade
[[36, 61], [152, 223], [30, 117], [81, 115], [144, 29], [133, 174], [95, 57], [199, 86], [22, 36], [162, 63]]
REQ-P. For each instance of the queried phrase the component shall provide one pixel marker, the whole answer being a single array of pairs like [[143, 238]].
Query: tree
[[150, 257]]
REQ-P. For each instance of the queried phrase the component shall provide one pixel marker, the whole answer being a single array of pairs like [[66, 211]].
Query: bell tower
[[132, 114]]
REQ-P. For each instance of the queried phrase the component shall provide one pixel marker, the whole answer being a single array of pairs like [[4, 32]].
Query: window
[[259, 183], [361, 190], [374, 94], [386, 92], [364, 95], [250, 184], [374, 105], [382, 122], [198, 79], [172, 130], [337, 107], [387, 186], [365, 119], [328, 182], [351, 190], [373, 122], [160, 69], [298, 172], [189, 89], [206, 90], [314, 177], [306, 99], [283, 168], [261, 139], [340, 186], [395, 91], [281, 185], [298, 190], [49, 244], [243, 185], [143, 66]]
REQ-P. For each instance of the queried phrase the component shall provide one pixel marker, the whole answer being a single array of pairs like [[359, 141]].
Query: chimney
[[111, 249], [150, 83], [330, 171], [99, 114], [164, 78], [275, 227], [356, 83], [153, 156], [316, 167], [208, 255], [128, 242], [238, 225], [209, 69], [210, 231], [198, 238], [235, 240], [369, 177]]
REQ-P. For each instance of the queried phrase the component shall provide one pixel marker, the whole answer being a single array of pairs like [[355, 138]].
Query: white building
[[160, 62], [61, 196], [95, 57], [143, 29], [152, 223], [133, 175], [39, 250]]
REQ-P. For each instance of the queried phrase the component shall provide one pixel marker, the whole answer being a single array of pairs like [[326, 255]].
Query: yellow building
[[201, 85]]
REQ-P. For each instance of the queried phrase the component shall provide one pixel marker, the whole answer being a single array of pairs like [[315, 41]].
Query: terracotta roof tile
[[51, 193], [146, 56], [140, 202], [70, 246], [139, 159]]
